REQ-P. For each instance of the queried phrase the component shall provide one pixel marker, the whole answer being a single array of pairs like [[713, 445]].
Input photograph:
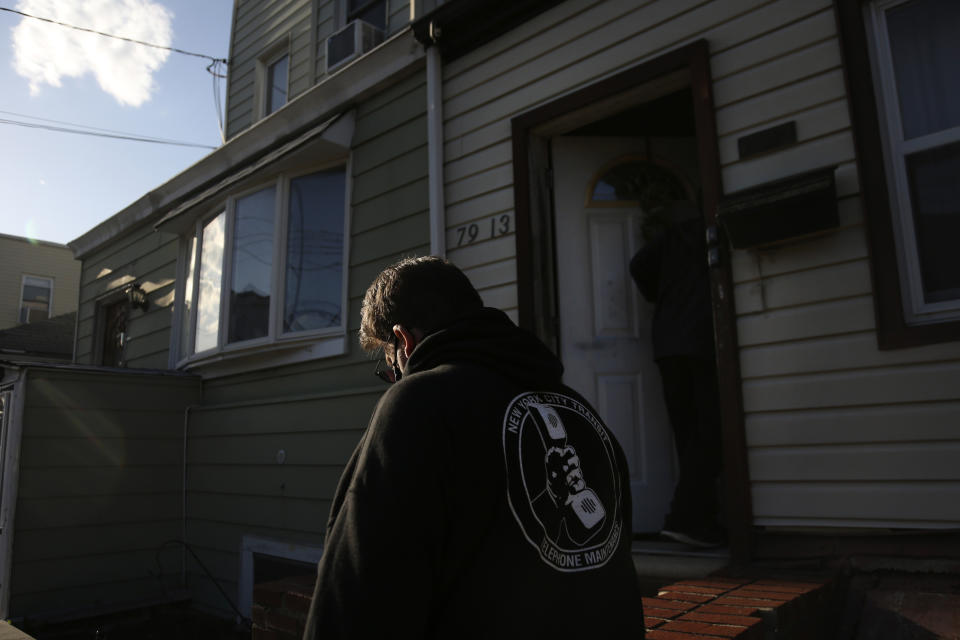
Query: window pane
[[208, 298], [374, 12], [35, 303], [36, 289], [277, 84], [313, 276], [925, 48], [649, 184], [188, 298], [252, 266], [935, 195]]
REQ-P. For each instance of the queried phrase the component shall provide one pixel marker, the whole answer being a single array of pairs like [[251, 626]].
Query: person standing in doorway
[[671, 272]]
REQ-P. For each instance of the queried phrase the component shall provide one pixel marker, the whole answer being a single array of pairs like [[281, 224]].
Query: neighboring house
[[40, 340], [38, 280], [522, 139]]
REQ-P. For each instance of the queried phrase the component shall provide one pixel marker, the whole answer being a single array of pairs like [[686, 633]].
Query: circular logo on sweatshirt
[[563, 480]]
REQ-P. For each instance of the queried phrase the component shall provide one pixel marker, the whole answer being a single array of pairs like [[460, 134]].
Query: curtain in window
[[925, 46]]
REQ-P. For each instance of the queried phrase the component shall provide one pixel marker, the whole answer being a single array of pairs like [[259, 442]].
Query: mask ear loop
[[388, 375], [397, 374]]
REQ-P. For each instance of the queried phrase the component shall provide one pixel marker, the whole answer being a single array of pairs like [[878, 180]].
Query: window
[[638, 181], [272, 78], [268, 268], [36, 298], [370, 11], [265, 560], [276, 85], [913, 49]]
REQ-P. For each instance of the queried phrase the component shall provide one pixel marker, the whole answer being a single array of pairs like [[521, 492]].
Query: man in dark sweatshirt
[[671, 271], [486, 499]]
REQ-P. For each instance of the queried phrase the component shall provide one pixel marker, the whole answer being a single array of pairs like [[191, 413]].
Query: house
[[522, 139], [40, 340], [38, 280]]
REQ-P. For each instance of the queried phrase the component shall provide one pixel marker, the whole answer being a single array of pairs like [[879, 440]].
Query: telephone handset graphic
[[565, 482]]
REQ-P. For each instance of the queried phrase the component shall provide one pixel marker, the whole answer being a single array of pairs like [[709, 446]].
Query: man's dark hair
[[426, 293]]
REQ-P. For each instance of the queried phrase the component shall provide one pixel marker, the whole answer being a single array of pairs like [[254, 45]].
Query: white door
[[605, 323]]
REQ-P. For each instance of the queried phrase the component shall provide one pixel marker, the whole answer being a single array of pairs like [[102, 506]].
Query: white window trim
[[265, 546], [276, 348], [916, 310], [23, 284], [269, 57]]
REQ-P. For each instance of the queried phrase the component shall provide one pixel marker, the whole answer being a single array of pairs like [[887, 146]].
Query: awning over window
[[325, 142]]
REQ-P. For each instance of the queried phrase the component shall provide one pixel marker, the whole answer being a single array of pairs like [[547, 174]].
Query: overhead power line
[[110, 35], [103, 134], [76, 124]]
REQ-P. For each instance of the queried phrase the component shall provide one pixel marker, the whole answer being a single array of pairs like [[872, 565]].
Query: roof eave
[[391, 61]]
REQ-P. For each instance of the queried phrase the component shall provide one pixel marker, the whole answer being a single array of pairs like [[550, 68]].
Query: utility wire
[[110, 35], [99, 134], [82, 126], [213, 69]]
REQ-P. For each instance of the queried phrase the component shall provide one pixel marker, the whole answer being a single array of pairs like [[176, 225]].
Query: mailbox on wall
[[780, 211]]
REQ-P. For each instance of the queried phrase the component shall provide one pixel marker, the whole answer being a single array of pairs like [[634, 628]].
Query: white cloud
[[44, 53]]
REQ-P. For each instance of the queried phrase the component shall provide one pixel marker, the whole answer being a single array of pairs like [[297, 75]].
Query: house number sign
[[485, 229]]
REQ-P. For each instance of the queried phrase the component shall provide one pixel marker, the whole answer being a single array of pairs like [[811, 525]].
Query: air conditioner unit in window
[[351, 42]]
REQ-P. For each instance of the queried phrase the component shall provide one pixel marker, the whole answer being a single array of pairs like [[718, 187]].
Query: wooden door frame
[[536, 266]]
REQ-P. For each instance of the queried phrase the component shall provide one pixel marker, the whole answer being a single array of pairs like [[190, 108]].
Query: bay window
[[267, 268]]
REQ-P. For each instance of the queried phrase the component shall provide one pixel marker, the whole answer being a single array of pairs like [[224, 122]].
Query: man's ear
[[408, 340]]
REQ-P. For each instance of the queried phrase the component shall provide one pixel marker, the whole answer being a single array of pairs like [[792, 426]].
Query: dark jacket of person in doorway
[[671, 272]]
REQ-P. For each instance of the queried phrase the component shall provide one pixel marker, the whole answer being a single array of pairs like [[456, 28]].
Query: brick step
[[741, 608], [688, 609]]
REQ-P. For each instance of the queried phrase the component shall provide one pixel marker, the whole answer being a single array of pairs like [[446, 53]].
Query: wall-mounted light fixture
[[137, 297]]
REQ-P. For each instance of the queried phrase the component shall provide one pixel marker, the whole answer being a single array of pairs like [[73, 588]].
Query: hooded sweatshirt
[[671, 271], [485, 500]]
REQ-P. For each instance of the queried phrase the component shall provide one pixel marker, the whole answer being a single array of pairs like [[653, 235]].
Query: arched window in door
[[637, 181]]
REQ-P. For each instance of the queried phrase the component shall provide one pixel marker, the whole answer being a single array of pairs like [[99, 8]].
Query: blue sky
[[57, 186]]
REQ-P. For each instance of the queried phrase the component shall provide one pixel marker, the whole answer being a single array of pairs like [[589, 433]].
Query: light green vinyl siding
[[814, 382], [399, 15], [261, 29], [148, 258], [100, 489], [315, 412]]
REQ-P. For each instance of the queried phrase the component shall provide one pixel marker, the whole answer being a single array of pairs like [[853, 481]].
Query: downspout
[[435, 145]]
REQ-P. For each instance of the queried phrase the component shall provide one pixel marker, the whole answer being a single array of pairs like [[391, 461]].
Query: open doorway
[[575, 238], [605, 175]]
